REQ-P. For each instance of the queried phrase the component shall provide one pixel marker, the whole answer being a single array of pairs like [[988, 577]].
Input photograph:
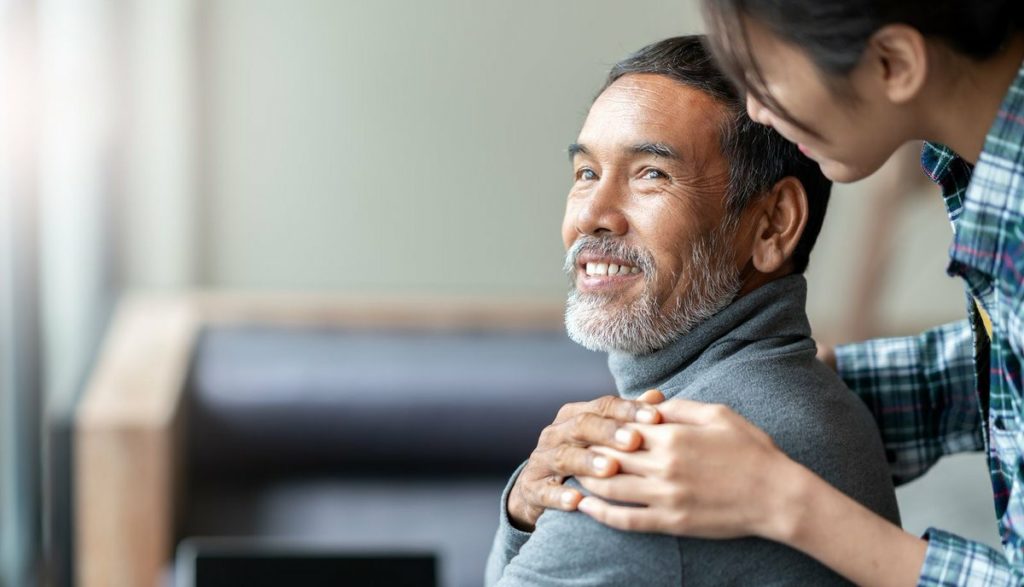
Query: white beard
[[640, 326]]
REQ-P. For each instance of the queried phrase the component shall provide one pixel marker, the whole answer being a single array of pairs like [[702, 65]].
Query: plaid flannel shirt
[[924, 390]]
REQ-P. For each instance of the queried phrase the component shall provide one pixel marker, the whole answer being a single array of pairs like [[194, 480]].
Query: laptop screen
[[224, 564]]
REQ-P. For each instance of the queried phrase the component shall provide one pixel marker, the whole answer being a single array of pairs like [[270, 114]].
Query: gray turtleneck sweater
[[755, 356]]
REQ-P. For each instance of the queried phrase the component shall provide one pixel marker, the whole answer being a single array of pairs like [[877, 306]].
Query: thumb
[[651, 396]]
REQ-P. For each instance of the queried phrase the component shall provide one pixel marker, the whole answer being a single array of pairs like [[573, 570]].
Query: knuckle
[[679, 497], [627, 523], [680, 521], [673, 464], [605, 405], [581, 424], [719, 411], [558, 459], [567, 410], [547, 436], [677, 435]]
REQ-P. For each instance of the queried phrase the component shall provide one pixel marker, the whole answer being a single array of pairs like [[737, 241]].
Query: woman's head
[[844, 78]]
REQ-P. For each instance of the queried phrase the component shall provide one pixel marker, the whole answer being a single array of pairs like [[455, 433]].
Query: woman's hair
[[834, 33]]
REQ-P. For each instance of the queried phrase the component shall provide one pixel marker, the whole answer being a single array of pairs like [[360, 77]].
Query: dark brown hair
[[834, 33]]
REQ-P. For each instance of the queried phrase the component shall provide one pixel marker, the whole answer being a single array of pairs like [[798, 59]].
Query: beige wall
[[401, 145], [420, 146]]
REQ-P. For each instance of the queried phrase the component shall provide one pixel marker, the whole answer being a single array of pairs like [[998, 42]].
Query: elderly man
[[688, 229]]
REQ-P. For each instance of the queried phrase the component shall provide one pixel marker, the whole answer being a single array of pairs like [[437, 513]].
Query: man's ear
[[897, 55], [781, 217]]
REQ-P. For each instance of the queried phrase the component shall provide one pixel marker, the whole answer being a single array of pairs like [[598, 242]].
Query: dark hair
[[835, 33], [758, 156]]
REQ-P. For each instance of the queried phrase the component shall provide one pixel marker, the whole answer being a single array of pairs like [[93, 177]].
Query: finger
[[569, 411], [548, 492], [589, 429], [827, 354], [623, 410], [625, 488], [631, 519], [559, 497], [684, 411], [644, 463], [569, 460], [651, 396], [660, 436]]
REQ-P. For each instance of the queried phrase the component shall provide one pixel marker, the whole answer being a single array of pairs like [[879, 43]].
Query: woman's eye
[[586, 174], [652, 173]]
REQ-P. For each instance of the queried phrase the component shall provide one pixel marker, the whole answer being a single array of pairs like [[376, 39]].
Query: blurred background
[[330, 150]]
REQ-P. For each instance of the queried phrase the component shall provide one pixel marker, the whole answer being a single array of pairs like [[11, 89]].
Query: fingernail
[[584, 505], [646, 416], [623, 436], [567, 498], [601, 463]]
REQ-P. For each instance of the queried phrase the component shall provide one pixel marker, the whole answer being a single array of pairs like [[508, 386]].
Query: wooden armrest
[[126, 444]]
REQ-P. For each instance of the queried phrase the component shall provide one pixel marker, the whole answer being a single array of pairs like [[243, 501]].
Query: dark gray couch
[[356, 439]]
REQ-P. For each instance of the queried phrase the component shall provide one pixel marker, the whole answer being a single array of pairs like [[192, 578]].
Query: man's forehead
[[652, 109]]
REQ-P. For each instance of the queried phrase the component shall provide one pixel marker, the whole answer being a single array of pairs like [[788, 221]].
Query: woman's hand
[[705, 472], [827, 354], [568, 447]]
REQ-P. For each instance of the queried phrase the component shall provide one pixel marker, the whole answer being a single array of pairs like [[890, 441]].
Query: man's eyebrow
[[656, 149], [577, 149]]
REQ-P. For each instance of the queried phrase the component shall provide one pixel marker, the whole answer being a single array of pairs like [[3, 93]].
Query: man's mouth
[[609, 269], [600, 273]]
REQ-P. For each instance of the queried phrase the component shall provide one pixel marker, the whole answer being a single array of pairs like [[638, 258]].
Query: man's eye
[[651, 173], [586, 174]]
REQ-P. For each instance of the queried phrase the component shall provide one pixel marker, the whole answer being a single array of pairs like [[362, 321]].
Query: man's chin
[[608, 323]]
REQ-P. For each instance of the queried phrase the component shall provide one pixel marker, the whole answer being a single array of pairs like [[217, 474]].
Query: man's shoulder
[[571, 548]]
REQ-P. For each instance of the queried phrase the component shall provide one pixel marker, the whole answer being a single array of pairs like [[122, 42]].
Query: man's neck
[[752, 279], [963, 100], [775, 310]]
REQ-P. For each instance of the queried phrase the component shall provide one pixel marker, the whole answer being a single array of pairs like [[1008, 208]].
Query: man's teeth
[[610, 269]]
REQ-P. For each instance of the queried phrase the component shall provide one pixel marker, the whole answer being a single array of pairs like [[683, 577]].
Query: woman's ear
[[899, 55], [781, 217]]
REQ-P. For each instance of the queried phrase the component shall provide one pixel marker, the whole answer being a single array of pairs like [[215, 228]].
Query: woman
[[850, 81]]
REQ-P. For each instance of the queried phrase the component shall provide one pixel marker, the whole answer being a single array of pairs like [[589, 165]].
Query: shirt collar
[[954, 176]]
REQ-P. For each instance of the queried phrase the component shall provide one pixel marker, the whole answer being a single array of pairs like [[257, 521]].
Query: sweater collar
[[776, 309]]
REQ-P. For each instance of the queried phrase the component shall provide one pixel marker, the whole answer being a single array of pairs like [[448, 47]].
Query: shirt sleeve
[[507, 540], [921, 391], [952, 560]]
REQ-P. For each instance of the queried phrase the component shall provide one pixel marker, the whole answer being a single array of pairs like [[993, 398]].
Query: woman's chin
[[842, 172]]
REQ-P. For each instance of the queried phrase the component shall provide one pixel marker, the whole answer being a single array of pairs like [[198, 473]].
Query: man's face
[[649, 246]]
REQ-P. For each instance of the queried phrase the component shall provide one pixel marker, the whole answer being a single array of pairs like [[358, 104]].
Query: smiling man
[[688, 229]]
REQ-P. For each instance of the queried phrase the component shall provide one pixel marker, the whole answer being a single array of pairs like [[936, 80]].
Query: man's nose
[[757, 112], [602, 212]]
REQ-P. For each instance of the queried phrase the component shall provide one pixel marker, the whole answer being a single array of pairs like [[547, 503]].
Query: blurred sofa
[[353, 424]]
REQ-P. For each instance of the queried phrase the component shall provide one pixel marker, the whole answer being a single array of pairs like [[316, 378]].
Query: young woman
[[850, 81]]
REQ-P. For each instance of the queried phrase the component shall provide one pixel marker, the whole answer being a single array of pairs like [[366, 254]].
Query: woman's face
[[850, 133]]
